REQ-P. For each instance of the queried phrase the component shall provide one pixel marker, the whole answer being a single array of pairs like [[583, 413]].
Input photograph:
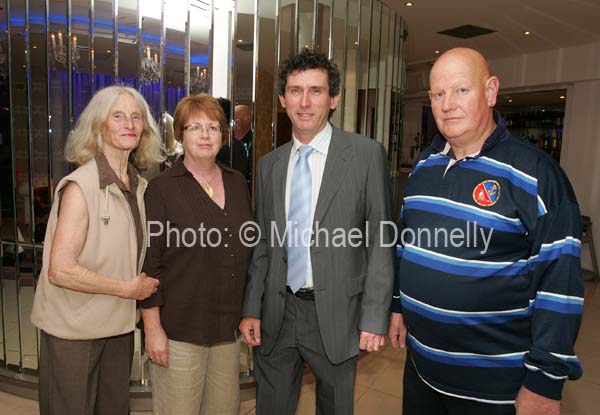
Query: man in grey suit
[[321, 276]]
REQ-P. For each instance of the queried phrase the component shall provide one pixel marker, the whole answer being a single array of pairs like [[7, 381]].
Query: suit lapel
[[336, 167], [279, 181]]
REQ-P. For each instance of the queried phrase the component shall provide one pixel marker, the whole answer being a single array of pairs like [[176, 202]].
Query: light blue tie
[[299, 221]]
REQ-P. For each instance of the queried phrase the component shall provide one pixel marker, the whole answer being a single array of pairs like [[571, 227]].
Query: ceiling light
[[107, 50], [356, 43], [527, 33], [510, 100], [409, 4], [240, 40], [437, 52], [562, 97], [35, 47]]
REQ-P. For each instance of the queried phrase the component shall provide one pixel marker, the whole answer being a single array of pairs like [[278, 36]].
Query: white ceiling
[[553, 24]]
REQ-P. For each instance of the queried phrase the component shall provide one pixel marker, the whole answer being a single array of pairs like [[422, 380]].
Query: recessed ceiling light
[[510, 100], [527, 33], [437, 52], [543, 110], [409, 4], [107, 50], [562, 97]]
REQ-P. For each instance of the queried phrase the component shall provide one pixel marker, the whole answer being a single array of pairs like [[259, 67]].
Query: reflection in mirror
[[351, 74], [362, 126], [242, 143], [264, 115], [10, 268], [306, 23], [287, 29], [129, 52], [58, 90], [374, 53], [338, 48], [175, 22], [383, 115], [200, 33], [79, 44], [29, 267], [322, 32], [38, 108], [102, 47], [19, 89], [150, 61], [393, 150], [287, 48]]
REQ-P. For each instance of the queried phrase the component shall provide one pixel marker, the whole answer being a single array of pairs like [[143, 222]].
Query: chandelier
[[58, 51], [199, 81], [150, 67]]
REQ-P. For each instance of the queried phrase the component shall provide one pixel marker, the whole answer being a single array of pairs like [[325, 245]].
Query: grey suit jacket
[[353, 282]]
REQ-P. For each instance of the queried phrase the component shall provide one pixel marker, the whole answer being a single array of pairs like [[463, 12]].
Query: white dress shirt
[[316, 161]]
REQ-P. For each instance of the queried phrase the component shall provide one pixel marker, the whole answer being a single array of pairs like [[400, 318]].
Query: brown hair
[[201, 104]]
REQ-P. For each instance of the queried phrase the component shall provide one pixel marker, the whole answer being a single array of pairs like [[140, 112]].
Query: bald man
[[489, 305]]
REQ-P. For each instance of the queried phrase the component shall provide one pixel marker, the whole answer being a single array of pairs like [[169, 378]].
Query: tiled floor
[[379, 379]]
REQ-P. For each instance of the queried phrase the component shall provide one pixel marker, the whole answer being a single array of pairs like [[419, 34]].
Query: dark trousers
[[279, 374], [420, 399], [85, 377]]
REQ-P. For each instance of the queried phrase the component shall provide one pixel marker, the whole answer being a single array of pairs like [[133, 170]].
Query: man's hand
[[250, 328], [157, 345], [397, 330], [530, 403], [140, 287], [371, 342]]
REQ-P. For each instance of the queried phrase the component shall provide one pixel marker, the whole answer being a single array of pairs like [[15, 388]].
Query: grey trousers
[[279, 374], [85, 377]]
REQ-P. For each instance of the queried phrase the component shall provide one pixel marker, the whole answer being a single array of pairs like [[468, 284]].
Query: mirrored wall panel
[[56, 54]]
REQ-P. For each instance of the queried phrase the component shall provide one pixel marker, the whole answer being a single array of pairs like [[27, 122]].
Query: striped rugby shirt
[[484, 322]]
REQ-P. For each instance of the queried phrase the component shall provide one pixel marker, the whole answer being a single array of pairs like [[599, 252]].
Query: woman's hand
[[140, 287]]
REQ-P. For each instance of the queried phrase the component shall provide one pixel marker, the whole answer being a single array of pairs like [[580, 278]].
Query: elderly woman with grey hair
[[85, 301]]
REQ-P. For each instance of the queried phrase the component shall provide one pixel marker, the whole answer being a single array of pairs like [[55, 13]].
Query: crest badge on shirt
[[487, 193]]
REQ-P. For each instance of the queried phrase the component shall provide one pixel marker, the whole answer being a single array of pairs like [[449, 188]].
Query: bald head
[[243, 120], [465, 59], [463, 95]]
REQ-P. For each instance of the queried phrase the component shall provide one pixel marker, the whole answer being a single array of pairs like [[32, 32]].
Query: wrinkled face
[[202, 137], [307, 102], [461, 100], [124, 126]]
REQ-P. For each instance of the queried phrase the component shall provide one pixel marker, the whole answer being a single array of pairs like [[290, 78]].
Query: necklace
[[206, 185]]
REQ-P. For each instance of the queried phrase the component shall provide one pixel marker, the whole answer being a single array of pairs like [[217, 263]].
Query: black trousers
[[85, 377], [420, 399]]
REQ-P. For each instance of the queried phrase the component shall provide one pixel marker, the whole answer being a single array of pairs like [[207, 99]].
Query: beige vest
[[110, 248]]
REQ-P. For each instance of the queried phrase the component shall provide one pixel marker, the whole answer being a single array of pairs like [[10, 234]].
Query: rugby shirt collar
[[499, 134]]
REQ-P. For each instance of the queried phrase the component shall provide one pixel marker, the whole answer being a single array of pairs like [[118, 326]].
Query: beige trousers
[[201, 380]]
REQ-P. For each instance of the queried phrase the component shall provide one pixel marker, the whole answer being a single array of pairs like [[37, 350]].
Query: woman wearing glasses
[[195, 211]]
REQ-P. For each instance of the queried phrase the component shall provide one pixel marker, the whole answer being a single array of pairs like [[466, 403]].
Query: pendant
[[209, 190]]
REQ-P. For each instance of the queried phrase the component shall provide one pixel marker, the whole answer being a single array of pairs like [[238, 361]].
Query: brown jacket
[[110, 248]]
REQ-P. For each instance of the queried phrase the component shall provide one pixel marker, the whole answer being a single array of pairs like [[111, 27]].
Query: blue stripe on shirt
[[496, 168], [465, 268], [466, 359], [464, 212], [461, 317]]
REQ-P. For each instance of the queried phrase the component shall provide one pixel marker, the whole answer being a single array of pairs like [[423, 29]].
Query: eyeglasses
[[197, 129]]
